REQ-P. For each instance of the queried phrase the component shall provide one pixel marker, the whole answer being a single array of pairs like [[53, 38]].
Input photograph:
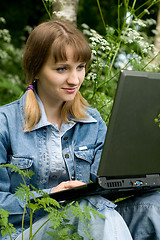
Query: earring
[[34, 81]]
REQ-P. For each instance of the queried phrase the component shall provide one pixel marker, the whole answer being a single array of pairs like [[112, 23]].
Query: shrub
[[11, 76]]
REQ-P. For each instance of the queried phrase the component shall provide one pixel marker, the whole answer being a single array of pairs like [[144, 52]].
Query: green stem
[[40, 228], [31, 222], [133, 5], [100, 10], [125, 4], [27, 197], [116, 74], [120, 40], [10, 235], [23, 219], [114, 56], [46, 9], [143, 5], [118, 16], [151, 60], [144, 12]]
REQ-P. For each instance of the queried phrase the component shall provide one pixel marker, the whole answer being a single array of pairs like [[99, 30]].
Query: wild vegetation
[[58, 214], [125, 47]]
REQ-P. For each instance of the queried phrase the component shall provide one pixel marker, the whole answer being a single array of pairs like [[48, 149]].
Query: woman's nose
[[73, 78]]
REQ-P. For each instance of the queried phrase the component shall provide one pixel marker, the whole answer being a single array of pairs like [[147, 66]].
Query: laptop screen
[[132, 146]]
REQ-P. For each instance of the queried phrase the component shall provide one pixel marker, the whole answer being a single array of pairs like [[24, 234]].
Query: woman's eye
[[80, 67], [61, 69]]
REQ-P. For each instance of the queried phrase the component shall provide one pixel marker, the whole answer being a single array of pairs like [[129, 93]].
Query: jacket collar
[[43, 121]]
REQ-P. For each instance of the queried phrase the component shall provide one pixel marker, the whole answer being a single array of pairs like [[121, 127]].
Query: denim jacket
[[81, 149], [81, 144]]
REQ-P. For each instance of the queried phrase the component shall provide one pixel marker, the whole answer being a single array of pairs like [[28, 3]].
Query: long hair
[[57, 35]]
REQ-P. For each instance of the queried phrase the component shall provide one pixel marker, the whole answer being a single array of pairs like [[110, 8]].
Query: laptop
[[130, 161]]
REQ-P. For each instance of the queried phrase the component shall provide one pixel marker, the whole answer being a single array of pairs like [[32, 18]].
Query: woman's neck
[[53, 112], [53, 116]]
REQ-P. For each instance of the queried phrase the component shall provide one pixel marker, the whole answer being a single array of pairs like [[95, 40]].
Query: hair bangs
[[82, 52]]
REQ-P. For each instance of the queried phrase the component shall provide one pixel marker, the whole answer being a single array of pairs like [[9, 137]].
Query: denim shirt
[[81, 141]]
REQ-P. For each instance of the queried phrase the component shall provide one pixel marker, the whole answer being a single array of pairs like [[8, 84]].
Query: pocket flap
[[85, 153], [22, 162]]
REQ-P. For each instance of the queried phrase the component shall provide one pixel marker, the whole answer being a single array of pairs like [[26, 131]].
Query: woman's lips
[[69, 90]]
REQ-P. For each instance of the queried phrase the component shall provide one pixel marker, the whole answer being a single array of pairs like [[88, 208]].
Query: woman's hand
[[67, 185]]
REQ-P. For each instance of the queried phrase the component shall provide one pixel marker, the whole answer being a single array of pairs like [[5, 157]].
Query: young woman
[[53, 131]]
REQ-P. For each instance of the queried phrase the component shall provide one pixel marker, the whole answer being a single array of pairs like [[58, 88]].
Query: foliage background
[[121, 35], [118, 41]]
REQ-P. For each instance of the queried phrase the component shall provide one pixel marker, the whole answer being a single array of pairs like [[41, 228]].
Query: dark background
[[20, 13]]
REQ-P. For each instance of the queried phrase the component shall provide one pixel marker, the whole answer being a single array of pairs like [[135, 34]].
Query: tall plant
[[58, 215], [126, 47]]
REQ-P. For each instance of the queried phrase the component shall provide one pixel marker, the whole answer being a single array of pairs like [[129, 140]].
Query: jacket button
[[65, 138], [73, 178], [66, 155]]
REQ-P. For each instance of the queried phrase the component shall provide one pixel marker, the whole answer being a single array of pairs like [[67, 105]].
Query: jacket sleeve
[[101, 133], [7, 200]]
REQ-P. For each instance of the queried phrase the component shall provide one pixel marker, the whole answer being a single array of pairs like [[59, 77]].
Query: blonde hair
[[58, 35]]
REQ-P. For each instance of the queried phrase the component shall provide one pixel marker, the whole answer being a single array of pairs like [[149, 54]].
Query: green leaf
[[156, 120], [6, 228], [23, 173]]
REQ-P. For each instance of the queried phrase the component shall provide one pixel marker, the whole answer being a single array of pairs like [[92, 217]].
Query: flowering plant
[[11, 77], [127, 47]]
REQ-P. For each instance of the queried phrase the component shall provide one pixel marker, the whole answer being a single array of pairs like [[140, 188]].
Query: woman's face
[[59, 82]]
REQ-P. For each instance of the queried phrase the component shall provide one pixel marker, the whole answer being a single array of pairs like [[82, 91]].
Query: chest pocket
[[84, 156], [23, 163], [85, 153]]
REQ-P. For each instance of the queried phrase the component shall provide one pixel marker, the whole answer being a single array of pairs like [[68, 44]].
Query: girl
[[53, 131]]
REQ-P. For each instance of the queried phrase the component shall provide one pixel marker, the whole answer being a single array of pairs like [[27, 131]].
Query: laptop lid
[[130, 161], [132, 146]]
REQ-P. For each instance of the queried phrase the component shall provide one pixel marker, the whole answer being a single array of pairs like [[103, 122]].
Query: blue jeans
[[112, 227], [142, 215]]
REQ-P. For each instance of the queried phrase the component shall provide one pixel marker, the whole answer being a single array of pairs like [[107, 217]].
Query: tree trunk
[[65, 10]]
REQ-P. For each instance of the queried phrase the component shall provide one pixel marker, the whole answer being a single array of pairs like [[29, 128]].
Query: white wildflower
[[84, 25], [94, 52], [154, 32], [139, 22], [93, 39], [108, 48], [86, 32], [103, 48], [4, 34], [91, 76], [58, 14], [150, 21], [145, 50], [146, 11], [28, 29], [50, 1], [2, 20], [101, 64], [130, 40], [3, 55]]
